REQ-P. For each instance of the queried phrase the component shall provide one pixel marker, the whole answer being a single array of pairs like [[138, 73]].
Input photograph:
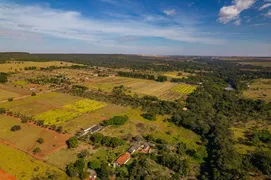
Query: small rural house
[[123, 159], [146, 148]]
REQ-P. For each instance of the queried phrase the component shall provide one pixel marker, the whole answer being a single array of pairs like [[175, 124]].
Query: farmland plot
[[85, 105], [4, 94], [25, 167], [56, 116], [184, 88]]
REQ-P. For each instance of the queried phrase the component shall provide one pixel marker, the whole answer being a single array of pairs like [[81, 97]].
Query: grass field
[[26, 138], [259, 89], [25, 167], [4, 94], [56, 116], [19, 66], [175, 74], [85, 105], [184, 88], [264, 64], [20, 83]]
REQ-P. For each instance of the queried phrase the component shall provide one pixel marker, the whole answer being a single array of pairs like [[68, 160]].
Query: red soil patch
[[6, 176]]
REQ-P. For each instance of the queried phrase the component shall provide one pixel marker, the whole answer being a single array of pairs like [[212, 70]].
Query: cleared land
[[18, 66], [4, 94], [25, 167], [25, 139], [259, 89]]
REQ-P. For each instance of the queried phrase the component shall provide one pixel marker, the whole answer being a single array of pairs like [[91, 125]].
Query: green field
[[56, 116], [85, 105], [20, 83], [25, 167], [184, 88]]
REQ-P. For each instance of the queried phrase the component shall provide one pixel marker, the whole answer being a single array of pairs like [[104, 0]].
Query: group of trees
[[30, 68], [3, 77], [100, 139], [136, 75], [116, 120], [58, 80]]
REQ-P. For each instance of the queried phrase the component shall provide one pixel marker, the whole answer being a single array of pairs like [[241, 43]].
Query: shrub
[[2, 110], [10, 99], [15, 128], [36, 150], [33, 94], [72, 142], [151, 117], [40, 140]]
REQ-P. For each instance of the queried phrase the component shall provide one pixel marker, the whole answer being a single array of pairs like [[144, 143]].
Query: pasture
[[18, 66], [259, 89], [25, 139], [25, 167]]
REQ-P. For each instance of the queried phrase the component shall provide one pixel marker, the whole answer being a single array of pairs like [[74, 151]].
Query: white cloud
[[268, 14], [237, 22], [265, 6], [72, 25], [171, 12], [230, 13]]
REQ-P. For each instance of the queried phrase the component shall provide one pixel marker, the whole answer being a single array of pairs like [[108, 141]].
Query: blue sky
[[166, 27]]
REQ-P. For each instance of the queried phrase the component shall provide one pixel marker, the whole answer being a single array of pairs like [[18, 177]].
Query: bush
[[2, 110], [72, 142], [10, 99], [94, 164], [33, 94], [15, 128], [36, 150], [40, 140], [150, 117], [83, 154], [117, 120]]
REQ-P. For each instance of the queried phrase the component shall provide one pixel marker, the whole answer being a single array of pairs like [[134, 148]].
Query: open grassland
[[264, 64], [4, 94], [20, 82], [184, 88], [25, 167], [176, 74], [17, 66], [239, 133], [25, 139], [259, 89], [56, 116], [85, 105]]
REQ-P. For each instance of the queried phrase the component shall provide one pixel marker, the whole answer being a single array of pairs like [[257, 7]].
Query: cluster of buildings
[[124, 158]]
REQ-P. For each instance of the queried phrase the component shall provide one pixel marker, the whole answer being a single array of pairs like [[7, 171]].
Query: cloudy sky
[[168, 27]]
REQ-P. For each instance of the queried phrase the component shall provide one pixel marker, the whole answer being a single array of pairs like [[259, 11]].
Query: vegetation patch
[[85, 105], [184, 88], [20, 83], [56, 116]]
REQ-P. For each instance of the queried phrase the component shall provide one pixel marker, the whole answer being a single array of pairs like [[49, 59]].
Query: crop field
[[85, 105], [56, 116], [259, 89], [35, 105], [184, 88], [4, 94], [176, 74], [18, 66], [26, 138], [25, 167]]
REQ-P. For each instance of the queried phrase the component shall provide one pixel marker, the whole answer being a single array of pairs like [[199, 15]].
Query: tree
[[33, 94], [72, 142], [3, 77], [10, 99], [15, 128], [2, 110], [36, 150], [40, 140], [94, 164], [84, 153], [97, 138]]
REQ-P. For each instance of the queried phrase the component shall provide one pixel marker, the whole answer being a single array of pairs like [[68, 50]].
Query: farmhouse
[[146, 148], [133, 148], [123, 159]]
